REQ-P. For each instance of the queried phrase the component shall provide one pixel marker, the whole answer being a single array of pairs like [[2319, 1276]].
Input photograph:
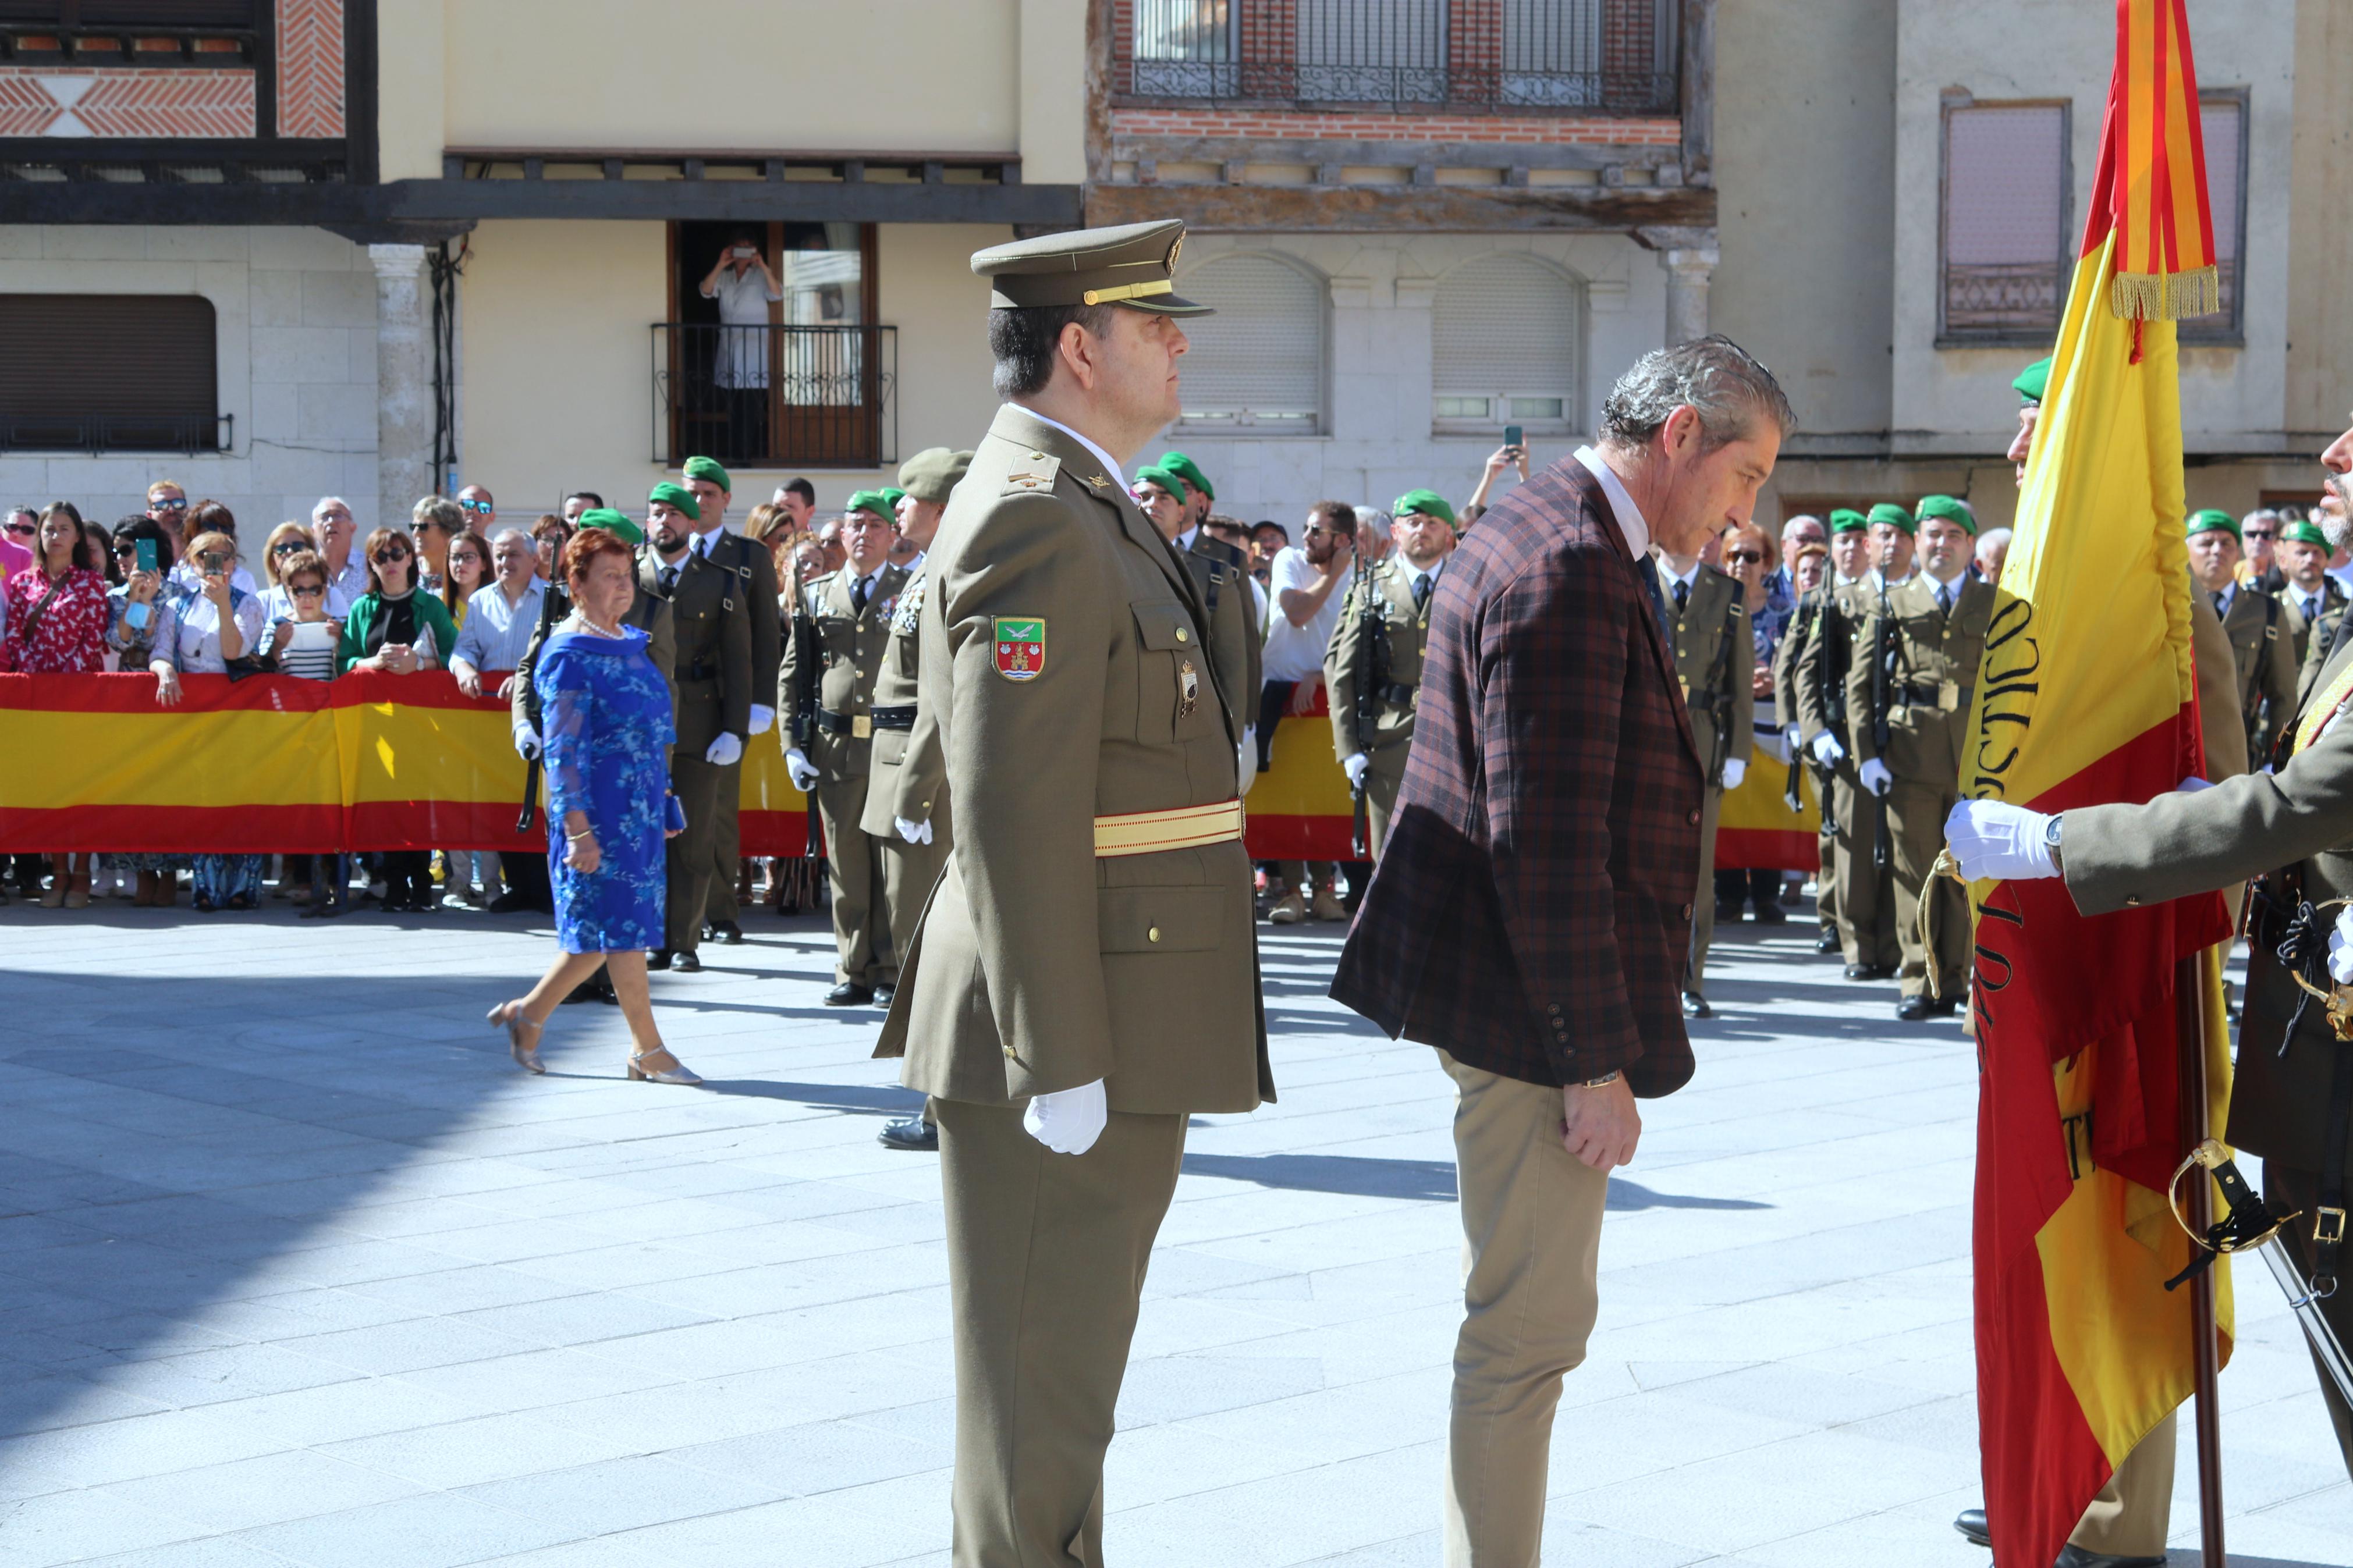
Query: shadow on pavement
[[850, 1100], [1424, 1181]]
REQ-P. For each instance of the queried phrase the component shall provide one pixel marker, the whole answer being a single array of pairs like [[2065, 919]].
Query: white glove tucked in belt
[[1999, 842], [1069, 1120], [725, 751], [804, 772]]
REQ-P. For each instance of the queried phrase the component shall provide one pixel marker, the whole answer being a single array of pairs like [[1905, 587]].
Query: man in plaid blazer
[[1530, 914]]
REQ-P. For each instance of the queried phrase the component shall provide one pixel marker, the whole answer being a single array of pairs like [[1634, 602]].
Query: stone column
[[1689, 267], [404, 381]]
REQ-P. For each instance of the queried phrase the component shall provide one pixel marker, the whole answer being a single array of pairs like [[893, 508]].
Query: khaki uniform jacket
[[1804, 622], [711, 686], [1828, 654], [910, 771], [2299, 818], [1393, 656], [1237, 642], [854, 644], [2263, 633], [646, 612], [1714, 659], [2314, 632], [1930, 682], [1039, 967], [755, 569]]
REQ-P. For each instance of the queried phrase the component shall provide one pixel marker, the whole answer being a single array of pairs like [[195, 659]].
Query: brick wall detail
[[310, 68], [69, 104], [1209, 122]]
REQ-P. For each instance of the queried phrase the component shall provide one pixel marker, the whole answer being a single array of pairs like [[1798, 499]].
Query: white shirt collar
[[2230, 597], [1185, 539], [1102, 456], [1630, 520], [707, 538], [1686, 578], [1416, 573]]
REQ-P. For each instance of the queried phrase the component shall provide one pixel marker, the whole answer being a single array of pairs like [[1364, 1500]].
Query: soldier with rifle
[[1789, 666], [1710, 623], [1172, 494], [1373, 668], [1866, 891]]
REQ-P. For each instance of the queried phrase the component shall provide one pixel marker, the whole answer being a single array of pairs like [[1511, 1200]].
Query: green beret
[[2209, 520], [876, 502], [1430, 504], [932, 473], [616, 523], [2033, 380], [1948, 509], [1165, 478], [1186, 469], [706, 469], [1846, 520], [894, 495], [1894, 516], [678, 496], [2303, 532]]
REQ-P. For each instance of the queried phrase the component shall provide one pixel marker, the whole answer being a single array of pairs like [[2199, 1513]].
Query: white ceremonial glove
[[1998, 842], [527, 743], [1353, 764], [2340, 949], [726, 750], [1827, 749], [1875, 777], [1246, 761], [804, 772], [912, 832], [1792, 739], [1069, 1120], [1734, 770], [2192, 784], [761, 719]]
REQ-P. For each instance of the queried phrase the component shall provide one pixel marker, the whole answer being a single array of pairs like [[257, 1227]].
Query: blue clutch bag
[[673, 814]]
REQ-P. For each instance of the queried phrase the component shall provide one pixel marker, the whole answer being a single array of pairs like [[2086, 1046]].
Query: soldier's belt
[[1402, 696], [895, 718], [701, 669], [1179, 827], [1944, 696], [857, 726]]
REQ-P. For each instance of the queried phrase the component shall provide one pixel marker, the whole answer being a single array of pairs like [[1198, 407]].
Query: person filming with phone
[[744, 286]]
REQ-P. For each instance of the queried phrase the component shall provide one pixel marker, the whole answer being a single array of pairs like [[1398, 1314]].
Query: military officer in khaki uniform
[[1374, 661], [1806, 621], [2318, 599], [1713, 662], [854, 608], [1866, 889], [755, 569], [1085, 974], [2262, 630], [1916, 666], [711, 626], [1237, 639]]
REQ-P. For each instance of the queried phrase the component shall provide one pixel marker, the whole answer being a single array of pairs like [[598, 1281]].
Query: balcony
[[776, 396], [1435, 56]]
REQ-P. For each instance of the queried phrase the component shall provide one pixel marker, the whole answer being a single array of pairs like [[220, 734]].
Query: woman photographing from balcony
[[605, 720]]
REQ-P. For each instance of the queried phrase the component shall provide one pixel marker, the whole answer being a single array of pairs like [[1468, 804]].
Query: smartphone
[[1512, 436], [146, 554]]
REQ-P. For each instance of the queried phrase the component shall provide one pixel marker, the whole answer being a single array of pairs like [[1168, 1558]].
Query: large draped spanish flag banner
[[2086, 695]]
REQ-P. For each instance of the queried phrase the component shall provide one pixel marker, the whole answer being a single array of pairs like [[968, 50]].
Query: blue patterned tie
[[1648, 570]]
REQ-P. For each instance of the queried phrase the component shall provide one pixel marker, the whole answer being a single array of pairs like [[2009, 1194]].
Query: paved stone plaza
[[295, 1267]]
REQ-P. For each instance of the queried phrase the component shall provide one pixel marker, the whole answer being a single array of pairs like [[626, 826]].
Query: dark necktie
[[1648, 570], [858, 597], [668, 577], [1682, 595], [2218, 602], [1422, 587], [1944, 598]]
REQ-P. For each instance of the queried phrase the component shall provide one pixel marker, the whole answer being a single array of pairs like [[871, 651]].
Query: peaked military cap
[[2302, 531], [2033, 380], [1894, 516], [1134, 264], [1846, 520], [932, 472], [2212, 521], [1950, 509]]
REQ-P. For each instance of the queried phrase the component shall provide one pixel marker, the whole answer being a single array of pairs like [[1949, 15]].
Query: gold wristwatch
[[1604, 1081]]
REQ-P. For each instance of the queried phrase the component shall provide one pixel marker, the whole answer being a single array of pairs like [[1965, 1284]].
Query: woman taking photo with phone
[[397, 628], [605, 720], [56, 626]]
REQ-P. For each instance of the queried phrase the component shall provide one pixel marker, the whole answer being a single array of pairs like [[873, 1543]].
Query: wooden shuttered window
[[107, 373]]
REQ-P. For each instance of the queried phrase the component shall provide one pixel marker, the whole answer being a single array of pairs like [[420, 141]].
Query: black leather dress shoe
[[1944, 1008], [911, 1134], [1972, 1524], [1870, 971], [850, 994], [882, 995], [1695, 1006], [1769, 913], [1912, 1009], [687, 963], [657, 959], [510, 902], [1728, 914], [2073, 1556], [728, 932], [1827, 942]]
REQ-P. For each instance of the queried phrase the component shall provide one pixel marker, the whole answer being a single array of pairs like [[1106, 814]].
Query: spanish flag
[[2086, 695]]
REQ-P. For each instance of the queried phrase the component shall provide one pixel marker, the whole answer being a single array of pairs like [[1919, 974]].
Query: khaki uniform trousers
[[1826, 900], [2133, 1512], [1916, 821], [1702, 926], [1531, 1241], [727, 846], [1046, 1259], [687, 857], [1380, 803], [908, 872], [1866, 896], [861, 920]]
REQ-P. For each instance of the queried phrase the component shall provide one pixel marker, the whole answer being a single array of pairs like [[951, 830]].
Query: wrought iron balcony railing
[[768, 397]]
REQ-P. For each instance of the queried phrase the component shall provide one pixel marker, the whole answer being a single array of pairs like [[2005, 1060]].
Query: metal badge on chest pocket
[[1170, 670]]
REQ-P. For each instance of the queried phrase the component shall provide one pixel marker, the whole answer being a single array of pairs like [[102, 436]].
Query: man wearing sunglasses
[[2260, 567], [168, 503]]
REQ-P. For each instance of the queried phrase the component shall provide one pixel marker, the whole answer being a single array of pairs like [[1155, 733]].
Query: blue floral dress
[[605, 720]]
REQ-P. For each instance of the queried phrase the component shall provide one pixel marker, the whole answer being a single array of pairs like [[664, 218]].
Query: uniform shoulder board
[[1033, 471], [1217, 550]]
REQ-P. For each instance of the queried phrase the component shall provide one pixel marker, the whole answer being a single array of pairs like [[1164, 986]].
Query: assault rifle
[[1372, 671], [809, 658], [1717, 702], [548, 616], [1882, 656]]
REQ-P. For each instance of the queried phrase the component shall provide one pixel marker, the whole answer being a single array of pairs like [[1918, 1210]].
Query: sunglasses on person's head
[[168, 503], [388, 554]]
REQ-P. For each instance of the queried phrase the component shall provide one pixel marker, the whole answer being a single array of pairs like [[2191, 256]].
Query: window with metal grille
[[1185, 49], [1257, 363], [1508, 341], [2004, 245], [125, 372], [1353, 52], [2223, 117]]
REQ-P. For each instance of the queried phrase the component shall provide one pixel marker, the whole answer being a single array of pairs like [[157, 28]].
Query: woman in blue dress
[[605, 720]]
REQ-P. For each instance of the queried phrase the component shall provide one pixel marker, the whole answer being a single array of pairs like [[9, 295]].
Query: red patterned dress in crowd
[[66, 622]]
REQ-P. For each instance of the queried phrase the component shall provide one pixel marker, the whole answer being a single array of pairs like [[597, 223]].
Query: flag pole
[[2189, 991]]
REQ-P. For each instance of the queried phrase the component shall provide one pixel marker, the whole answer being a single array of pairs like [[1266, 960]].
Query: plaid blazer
[[1532, 907]]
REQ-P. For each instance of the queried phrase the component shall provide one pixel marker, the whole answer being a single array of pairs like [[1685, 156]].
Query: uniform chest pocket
[[1172, 672], [906, 654], [840, 635]]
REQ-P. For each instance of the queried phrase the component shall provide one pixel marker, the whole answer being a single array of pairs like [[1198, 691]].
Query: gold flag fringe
[[2166, 297]]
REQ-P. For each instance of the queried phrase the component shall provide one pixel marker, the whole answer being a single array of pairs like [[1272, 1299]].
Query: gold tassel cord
[[1924, 914], [2166, 296]]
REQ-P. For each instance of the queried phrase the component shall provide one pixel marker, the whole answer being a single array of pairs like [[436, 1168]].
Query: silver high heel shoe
[[679, 1074], [508, 1015]]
